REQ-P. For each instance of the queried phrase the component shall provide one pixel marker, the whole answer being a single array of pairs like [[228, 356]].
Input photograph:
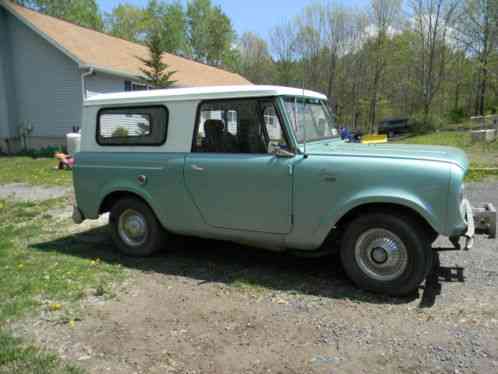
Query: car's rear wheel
[[135, 229], [385, 253]]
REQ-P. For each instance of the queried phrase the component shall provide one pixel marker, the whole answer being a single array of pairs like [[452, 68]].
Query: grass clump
[[33, 171], [16, 357], [41, 266]]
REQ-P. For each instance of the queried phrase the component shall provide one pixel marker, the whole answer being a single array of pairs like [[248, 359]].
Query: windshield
[[310, 118]]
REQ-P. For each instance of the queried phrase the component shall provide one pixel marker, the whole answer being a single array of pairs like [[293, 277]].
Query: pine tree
[[156, 73]]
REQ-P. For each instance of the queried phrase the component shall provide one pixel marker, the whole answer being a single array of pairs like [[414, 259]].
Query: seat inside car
[[213, 142], [217, 139], [251, 140]]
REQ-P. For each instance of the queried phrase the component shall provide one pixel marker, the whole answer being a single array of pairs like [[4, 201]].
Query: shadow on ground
[[210, 261]]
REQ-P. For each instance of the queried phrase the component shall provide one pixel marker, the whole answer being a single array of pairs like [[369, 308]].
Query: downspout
[[90, 72]]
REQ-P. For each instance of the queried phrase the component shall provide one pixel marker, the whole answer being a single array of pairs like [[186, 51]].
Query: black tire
[[155, 235], [417, 252]]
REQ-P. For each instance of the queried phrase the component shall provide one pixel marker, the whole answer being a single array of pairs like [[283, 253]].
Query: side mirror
[[277, 150]]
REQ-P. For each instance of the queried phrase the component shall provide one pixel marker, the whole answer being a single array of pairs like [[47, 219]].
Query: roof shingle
[[107, 52]]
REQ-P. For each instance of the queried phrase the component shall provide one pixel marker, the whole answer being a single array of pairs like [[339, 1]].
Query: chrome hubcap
[[381, 254], [132, 228]]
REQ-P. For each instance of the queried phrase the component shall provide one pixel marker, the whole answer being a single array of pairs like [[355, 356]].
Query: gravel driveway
[[212, 307], [26, 192]]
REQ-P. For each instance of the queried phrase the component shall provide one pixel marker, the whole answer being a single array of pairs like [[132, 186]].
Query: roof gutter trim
[[104, 70]]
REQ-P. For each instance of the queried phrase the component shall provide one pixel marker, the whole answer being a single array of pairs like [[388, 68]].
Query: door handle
[[197, 168], [329, 177]]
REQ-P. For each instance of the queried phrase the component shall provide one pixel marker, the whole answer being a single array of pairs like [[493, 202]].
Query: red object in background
[[65, 161]]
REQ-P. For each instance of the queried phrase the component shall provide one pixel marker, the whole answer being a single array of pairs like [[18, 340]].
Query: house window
[[231, 121], [134, 86], [132, 126]]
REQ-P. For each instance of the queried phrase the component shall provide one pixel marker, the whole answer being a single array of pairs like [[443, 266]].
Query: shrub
[[456, 115], [421, 125], [42, 152]]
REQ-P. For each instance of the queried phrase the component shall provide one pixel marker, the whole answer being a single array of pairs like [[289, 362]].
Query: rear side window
[[132, 126]]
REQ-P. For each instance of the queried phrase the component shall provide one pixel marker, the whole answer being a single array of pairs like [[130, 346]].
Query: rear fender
[[128, 188]]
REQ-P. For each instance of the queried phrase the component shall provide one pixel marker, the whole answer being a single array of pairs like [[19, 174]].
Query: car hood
[[401, 151]]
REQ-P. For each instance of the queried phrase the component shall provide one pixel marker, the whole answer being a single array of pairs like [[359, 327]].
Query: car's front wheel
[[135, 229], [385, 253]]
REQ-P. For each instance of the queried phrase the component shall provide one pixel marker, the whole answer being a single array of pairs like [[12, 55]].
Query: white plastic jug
[[73, 142]]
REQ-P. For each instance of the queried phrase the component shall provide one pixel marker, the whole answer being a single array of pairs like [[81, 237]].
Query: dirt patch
[[212, 307], [195, 312], [26, 192]]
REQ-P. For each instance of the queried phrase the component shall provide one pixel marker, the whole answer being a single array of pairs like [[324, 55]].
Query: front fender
[[396, 197]]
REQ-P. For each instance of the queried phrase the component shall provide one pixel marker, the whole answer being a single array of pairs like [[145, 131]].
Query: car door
[[233, 180]]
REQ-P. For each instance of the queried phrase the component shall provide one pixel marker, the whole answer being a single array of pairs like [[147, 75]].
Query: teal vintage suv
[[264, 166]]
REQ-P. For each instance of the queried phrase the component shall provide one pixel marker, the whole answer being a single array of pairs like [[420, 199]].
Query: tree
[[169, 19], [283, 46], [221, 37], [354, 87], [339, 33], [383, 14], [198, 13], [255, 60], [136, 24], [128, 22], [210, 33], [310, 43], [431, 22], [85, 13], [156, 73], [477, 30], [174, 29]]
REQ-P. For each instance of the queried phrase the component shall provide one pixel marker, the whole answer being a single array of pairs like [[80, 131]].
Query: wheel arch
[[389, 208], [337, 222], [111, 198]]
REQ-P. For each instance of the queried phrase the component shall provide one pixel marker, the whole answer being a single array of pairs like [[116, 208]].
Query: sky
[[259, 16]]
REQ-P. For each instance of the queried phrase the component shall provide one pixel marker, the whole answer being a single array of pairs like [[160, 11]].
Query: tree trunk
[[373, 102], [331, 83], [483, 86], [457, 97]]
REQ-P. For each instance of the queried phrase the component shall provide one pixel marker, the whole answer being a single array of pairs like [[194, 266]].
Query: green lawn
[[42, 269], [482, 155], [40, 171]]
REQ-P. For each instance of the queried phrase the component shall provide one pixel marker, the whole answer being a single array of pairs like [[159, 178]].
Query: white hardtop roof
[[197, 93]]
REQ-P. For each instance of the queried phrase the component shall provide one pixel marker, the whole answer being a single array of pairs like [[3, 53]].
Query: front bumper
[[480, 220]]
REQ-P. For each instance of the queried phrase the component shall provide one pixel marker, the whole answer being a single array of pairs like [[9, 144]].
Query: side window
[[132, 126], [236, 126], [272, 123]]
